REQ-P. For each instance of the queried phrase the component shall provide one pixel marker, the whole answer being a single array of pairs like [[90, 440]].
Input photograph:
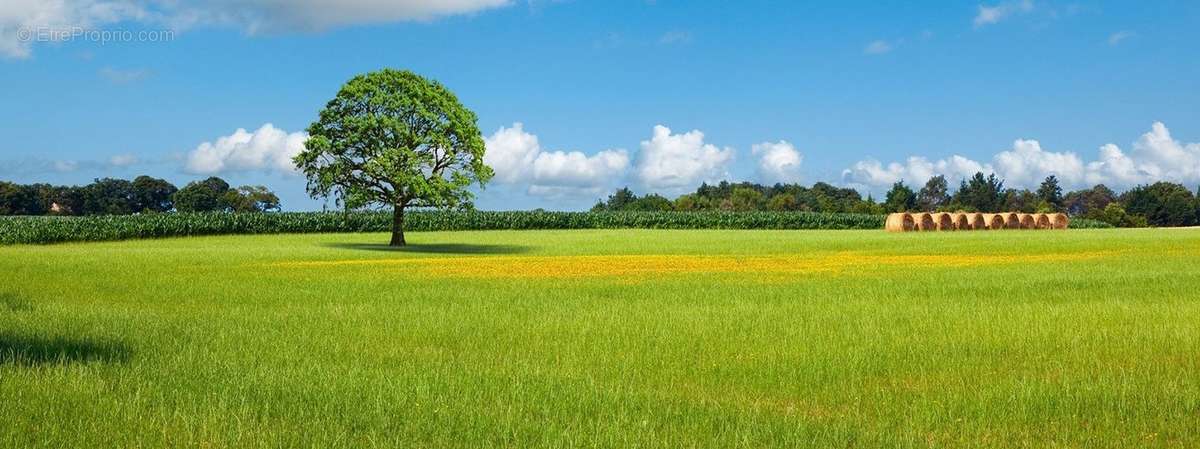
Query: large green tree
[[396, 139], [900, 198], [934, 195]]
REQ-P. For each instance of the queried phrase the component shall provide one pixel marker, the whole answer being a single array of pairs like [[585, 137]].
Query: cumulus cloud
[[988, 15], [17, 17], [518, 159], [267, 149], [24, 21], [679, 161], [778, 162], [1156, 156]]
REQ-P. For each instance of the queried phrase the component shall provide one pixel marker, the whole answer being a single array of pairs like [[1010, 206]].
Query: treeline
[[145, 194], [1158, 204]]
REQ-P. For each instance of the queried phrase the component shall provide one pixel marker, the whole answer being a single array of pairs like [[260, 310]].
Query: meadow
[[605, 338]]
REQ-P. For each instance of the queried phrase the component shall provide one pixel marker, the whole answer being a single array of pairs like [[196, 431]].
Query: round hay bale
[[960, 221], [1026, 221], [977, 222], [943, 221], [899, 222], [1058, 221], [994, 221], [1011, 221], [924, 221], [1041, 221]]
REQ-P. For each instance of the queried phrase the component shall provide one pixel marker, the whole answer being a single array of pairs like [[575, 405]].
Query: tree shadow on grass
[[31, 351], [14, 303], [435, 248]]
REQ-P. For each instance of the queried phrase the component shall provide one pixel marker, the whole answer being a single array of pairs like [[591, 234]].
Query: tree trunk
[[398, 226]]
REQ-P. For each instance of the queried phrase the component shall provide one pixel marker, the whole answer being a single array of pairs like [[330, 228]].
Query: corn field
[[42, 230]]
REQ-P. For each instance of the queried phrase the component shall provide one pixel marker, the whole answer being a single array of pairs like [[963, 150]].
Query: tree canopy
[[395, 139]]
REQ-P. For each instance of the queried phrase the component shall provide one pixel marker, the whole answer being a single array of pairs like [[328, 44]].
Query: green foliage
[[1162, 203], [252, 199], [109, 196], [934, 195], [1020, 200], [15, 230], [743, 199], [209, 195], [396, 139], [1089, 203], [1051, 194], [980, 194], [152, 194], [1115, 215], [900, 198]]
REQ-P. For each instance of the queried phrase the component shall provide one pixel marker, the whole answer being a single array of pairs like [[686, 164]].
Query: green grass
[[226, 342]]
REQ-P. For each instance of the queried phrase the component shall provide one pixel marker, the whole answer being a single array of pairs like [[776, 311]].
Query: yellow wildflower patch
[[635, 266]]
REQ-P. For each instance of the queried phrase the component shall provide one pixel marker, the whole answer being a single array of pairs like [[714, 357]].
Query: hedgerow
[[15, 230]]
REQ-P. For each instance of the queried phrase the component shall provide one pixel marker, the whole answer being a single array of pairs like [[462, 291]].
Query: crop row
[[17, 230]]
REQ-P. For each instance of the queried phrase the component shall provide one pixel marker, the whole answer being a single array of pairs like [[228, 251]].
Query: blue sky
[[658, 95]]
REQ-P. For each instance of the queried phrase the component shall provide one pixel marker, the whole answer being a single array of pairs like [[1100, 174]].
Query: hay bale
[[899, 222], [943, 222], [1026, 221], [960, 221], [1041, 221], [977, 221], [1011, 221], [1058, 221], [994, 221], [924, 221]]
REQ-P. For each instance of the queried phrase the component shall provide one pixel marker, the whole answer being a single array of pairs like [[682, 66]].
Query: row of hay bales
[[969, 221]]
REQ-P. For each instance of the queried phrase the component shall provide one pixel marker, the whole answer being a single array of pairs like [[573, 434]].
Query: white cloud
[[1156, 156], [312, 15], [123, 160], [252, 16], [878, 47], [1027, 164], [518, 159], [778, 162], [914, 171], [680, 161], [24, 21], [510, 153], [266, 149], [1119, 36], [988, 15]]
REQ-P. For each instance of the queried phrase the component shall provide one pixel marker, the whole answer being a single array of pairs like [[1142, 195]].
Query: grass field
[[606, 338]]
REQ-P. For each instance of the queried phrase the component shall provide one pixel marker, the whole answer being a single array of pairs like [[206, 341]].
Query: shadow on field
[[30, 351], [436, 248], [14, 303]]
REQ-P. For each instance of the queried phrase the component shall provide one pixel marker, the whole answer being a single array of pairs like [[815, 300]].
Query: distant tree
[[153, 194], [1115, 215], [1050, 193], [209, 195], [650, 203], [396, 139], [900, 198], [1020, 200], [617, 201], [17, 199], [782, 202], [692, 202], [108, 196], [980, 194], [745, 199], [1162, 203], [252, 199], [867, 206], [934, 195], [1089, 203]]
